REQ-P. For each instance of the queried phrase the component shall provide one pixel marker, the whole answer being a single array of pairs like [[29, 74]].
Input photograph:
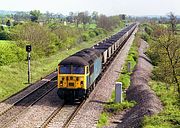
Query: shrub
[[148, 30], [145, 37], [170, 114], [102, 120], [4, 35], [85, 37], [38, 36], [11, 53], [92, 34]]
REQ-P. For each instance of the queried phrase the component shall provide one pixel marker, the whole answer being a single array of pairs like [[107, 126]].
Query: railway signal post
[[28, 50]]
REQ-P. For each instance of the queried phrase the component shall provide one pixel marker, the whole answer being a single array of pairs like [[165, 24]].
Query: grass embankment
[[170, 116], [14, 76], [115, 108]]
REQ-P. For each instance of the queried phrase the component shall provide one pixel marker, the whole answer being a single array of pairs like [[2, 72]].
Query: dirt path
[[139, 91]]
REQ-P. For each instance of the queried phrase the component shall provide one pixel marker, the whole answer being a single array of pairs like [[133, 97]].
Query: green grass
[[14, 76], [170, 116], [132, 59], [103, 120], [178, 26]]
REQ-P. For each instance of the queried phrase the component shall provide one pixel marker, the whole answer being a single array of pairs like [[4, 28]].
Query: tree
[[8, 23], [173, 21], [94, 16], [103, 22], [35, 14], [108, 23], [84, 18], [166, 48]]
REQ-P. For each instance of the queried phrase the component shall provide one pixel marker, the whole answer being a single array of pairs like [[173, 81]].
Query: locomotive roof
[[82, 58]]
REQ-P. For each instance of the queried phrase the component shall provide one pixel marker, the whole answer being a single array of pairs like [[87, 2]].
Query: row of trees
[[78, 18]]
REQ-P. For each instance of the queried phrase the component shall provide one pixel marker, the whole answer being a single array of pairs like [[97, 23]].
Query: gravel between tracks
[[139, 91], [38, 113], [88, 116]]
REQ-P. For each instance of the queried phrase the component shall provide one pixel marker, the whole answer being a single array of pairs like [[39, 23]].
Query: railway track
[[21, 105], [62, 116]]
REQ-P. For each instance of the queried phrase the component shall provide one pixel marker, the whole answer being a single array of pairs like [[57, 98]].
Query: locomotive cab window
[[65, 69], [78, 70]]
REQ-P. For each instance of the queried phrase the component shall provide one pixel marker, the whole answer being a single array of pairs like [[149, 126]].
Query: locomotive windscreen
[[71, 69]]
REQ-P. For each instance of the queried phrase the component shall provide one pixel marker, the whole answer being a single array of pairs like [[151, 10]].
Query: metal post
[[129, 67], [29, 73], [118, 92]]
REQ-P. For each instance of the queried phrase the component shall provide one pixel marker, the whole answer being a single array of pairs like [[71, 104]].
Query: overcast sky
[[108, 7]]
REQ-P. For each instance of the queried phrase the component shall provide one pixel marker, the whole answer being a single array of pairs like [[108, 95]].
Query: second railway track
[[25, 102]]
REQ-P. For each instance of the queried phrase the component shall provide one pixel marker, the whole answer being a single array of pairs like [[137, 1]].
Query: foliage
[[66, 35], [10, 52], [116, 107], [108, 23], [148, 30], [4, 35], [173, 21], [132, 59], [41, 39], [145, 37], [165, 54], [103, 120], [170, 114], [35, 14]]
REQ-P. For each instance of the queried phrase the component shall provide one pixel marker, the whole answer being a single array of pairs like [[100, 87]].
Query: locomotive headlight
[[81, 78], [61, 83]]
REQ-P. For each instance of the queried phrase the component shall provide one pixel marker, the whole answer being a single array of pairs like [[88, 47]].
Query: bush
[[145, 37], [170, 114], [148, 30], [4, 35], [41, 38], [11, 53], [67, 36], [115, 107], [102, 120], [92, 34], [85, 37]]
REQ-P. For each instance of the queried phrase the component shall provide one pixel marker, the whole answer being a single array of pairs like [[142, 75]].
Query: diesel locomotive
[[78, 73]]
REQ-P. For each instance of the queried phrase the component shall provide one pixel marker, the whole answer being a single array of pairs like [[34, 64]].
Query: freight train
[[78, 73]]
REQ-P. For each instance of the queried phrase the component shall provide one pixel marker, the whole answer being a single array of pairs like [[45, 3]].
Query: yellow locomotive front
[[77, 73], [72, 77]]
